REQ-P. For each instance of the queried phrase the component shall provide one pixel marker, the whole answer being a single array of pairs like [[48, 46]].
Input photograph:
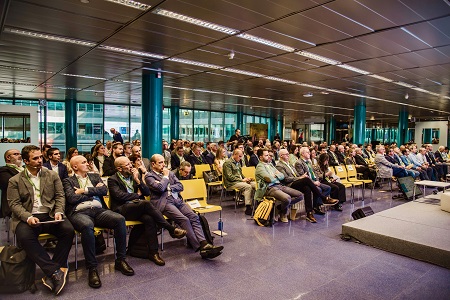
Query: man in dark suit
[[86, 209], [54, 163], [13, 166], [254, 160], [196, 158], [210, 156], [340, 153], [127, 195], [177, 157], [165, 188], [109, 168], [333, 161], [117, 137], [440, 167], [184, 171], [36, 195]]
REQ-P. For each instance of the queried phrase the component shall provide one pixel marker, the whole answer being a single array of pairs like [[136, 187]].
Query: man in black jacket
[[127, 194], [13, 160], [54, 163], [85, 209], [108, 166]]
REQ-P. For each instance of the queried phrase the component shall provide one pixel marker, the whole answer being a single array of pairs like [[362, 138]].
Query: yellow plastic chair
[[352, 176], [249, 172], [346, 183], [199, 169], [195, 189]]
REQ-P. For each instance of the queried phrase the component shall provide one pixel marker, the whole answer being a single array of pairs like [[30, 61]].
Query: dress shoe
[[331, 201], [59, 280], [124, 267], [210, 251], [318, 211], [157, 259], [178, 233], [248, 210], [310, 218], [338, 207], [94, 279], [283, 218]]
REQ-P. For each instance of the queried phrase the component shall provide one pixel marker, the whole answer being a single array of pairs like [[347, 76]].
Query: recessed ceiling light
[[309, 94], [324, 92]]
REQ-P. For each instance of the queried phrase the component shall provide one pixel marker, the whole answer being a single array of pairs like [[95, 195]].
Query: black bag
[[206, 231], [17, 271], [137, 244], [100, 244], [210, 176]]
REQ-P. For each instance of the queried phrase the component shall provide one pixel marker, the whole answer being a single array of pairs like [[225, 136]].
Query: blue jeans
[[84, 221]]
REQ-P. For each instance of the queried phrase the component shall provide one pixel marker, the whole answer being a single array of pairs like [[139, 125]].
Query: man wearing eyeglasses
[[13, 160]]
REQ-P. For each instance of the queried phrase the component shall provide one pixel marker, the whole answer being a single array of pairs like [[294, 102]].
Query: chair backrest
[[200, 168], [351, 171], [194, 189], [249, 172], [340, 172], [107, 202]]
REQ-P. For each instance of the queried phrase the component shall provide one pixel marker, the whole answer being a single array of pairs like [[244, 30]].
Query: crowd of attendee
[[49, 187]]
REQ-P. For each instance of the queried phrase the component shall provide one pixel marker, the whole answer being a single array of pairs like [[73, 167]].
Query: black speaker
[[362, 212]]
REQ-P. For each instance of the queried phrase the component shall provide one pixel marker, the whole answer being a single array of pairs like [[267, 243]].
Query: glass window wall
[[117, 116], [186, 124], [201, 125], [216, 126]]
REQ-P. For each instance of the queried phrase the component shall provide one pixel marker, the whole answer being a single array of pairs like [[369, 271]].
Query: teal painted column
[[402, 134], [280, 127], [240, 121], [359, 122], [271, 128], [174, 122], [331, 134], [152, 116], [427, 135], [71, 123]]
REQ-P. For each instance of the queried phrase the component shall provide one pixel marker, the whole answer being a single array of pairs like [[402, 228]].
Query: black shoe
[[59, 280], [318, 211], [94, 279], [338, 207], [210, 251], [248, 210], [178, 233], [124, 267], [156, 259]]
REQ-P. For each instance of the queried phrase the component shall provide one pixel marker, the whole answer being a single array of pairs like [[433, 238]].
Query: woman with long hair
[[325, 176], [221, 156], [99, 157], [293, 154], [70, 153]]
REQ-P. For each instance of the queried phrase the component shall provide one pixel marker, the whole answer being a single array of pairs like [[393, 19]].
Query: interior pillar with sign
[[402, 134], [152, 114]]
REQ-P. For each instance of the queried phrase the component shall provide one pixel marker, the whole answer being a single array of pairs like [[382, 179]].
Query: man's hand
[[78, 191], [317, 183], [135, 173], [33, 222], [100, 184], [165, 172], [58, 216]]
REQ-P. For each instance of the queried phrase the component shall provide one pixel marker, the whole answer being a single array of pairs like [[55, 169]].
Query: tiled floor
[[298, 260]]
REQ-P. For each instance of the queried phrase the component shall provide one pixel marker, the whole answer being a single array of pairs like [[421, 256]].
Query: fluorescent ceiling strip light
[[84, 76], [381, 77], [133, 52], [132, 4], [236, 95], [318, 57], [194, 21], [194, 63], [126, 81], [405, 84], [415, 36], [237, 71], [17, 83], [348, 18], [266, 42], [425, 91], [26, 69], [348, 67], [50, 37], [281, 80]]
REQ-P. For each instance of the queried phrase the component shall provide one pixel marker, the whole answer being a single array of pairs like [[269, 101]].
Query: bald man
[[85, 209], [127, 193], [165, 188], [13, 166]]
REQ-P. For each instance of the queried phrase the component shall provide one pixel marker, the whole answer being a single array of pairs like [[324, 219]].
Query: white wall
[[442, 125], [34, 128]]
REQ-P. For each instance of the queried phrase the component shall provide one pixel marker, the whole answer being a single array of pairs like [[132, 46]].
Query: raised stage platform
[[418, 229]]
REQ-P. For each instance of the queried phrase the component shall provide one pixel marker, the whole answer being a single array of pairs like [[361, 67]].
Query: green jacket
[[261, 172], [231, 173]]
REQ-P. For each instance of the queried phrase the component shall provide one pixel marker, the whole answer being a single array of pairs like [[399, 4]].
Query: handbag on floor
[[137, 244], [263, 214], [17, 271]]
